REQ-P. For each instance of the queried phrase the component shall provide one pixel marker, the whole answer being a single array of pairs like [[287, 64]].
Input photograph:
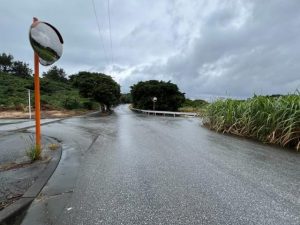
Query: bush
[[89, 105], [71, 103], [54, 94]]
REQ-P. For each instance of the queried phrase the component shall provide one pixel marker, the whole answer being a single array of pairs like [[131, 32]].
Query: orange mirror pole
[[37, 102]]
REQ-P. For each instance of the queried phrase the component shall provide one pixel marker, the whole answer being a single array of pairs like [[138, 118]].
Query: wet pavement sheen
[[138, 169]]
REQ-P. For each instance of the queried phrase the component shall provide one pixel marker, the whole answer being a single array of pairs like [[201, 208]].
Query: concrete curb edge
[[14, 213]]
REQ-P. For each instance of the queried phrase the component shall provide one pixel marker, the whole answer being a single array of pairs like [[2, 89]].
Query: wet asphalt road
[[138, 169]]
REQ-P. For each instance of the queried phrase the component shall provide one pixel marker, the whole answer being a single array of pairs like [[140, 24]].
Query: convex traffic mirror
[[46, 41]]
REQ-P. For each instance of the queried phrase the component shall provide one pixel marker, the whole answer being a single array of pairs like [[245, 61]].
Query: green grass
[[268, 119], [197, 106], [13, 90], [34, 152], [201, 111]]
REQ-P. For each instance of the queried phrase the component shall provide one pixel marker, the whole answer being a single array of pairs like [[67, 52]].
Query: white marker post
[[29, 104]]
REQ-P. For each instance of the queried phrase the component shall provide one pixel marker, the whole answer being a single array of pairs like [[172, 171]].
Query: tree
[[5, 62], [125, 98], [100, 87], [55, 73], [21, 69], [168, 95]]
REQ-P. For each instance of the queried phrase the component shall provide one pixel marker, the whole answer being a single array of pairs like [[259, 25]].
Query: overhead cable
[[100, 33]]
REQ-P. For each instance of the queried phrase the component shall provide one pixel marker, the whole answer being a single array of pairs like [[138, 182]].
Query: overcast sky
[[207, 47]]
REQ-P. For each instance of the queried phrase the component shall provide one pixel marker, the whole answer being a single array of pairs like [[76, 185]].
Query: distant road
[[139, 169]]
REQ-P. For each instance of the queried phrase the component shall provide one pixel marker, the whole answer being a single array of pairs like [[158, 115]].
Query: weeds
[[32, 151], [53, 146], [200, 111], [268, 119]]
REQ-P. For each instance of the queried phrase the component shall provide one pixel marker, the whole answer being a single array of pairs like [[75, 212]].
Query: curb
[[31, 126], [14, 213], [5, 133]]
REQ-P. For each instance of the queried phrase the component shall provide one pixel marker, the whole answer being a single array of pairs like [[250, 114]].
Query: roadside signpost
[[47, 44], [154, 99]]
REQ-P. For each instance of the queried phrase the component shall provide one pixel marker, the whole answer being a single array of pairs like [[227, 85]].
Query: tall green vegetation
[[99, 87], [168, 95], [13, 91], [273, 120]]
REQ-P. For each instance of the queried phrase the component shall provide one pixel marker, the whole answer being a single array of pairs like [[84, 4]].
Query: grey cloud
[[209, 47], [261, 56]]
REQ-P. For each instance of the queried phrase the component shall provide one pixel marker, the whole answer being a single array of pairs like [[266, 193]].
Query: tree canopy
[[125, 98], [21, 69], [55, 73], [6, 61], [100, 87], [17, 68], [168, 95], [83, 90]]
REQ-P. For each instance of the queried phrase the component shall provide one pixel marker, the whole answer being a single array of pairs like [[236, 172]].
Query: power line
[[99, 29], [111, 48]]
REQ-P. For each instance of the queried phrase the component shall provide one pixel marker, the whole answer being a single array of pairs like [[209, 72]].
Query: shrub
[[71, 103]]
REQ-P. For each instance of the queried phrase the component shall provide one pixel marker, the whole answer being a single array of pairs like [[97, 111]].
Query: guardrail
[[164, 113]]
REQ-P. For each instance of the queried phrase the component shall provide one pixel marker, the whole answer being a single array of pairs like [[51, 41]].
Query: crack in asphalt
[[42, 197], [93, 141]]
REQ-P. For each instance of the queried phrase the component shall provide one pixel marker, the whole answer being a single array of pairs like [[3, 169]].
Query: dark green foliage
[[100, 87], [17, 68], [56, 74], [71, 103], [125, 98], [54, 95], [21, 69], [89, 105], [168, 95], [197, 103], [57, 92], [6, 61], [13, 90], [49, 86]]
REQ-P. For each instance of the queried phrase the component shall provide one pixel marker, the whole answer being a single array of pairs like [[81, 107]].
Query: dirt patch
[[13, 114]]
